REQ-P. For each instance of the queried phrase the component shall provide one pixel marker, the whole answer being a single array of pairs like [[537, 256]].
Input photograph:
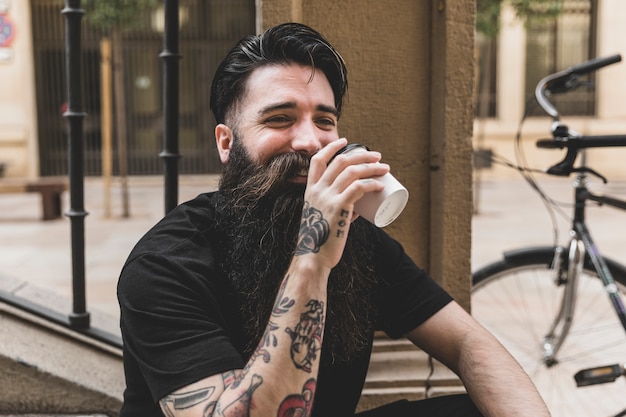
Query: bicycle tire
[[516, 299]]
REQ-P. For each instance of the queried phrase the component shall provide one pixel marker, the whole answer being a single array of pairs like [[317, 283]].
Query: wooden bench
[[50, 190]]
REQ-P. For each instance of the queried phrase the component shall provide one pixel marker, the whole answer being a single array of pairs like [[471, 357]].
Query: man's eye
[[277, 120], [326, 121]]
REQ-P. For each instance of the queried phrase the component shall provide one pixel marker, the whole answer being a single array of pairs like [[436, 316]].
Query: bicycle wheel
[[517, 299]]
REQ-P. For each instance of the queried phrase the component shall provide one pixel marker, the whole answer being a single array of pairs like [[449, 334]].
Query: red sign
[[7, 30]]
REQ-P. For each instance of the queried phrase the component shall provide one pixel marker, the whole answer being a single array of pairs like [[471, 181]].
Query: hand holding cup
[[380, 207]]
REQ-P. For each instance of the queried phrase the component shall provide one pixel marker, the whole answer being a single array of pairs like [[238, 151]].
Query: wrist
[[309, 266]]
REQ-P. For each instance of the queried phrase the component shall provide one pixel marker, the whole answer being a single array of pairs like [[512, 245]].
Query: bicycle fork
[[559, 330]]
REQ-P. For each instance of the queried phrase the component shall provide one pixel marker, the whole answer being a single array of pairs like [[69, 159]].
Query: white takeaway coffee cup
[[380, 207]]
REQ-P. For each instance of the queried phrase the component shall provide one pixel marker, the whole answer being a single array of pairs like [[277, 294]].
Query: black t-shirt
[[180, 324]]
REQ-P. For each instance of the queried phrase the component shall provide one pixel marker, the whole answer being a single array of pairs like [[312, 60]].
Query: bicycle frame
[[581, 244], [583, 194], [531, 296]]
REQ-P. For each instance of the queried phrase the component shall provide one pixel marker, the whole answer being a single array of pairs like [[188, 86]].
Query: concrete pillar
[[452, 82], [410, 70], [410, 66]]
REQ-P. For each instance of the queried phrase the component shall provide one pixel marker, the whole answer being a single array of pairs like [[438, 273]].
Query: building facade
[[411, 78], [18, 107], [584, 30], [36, 137]]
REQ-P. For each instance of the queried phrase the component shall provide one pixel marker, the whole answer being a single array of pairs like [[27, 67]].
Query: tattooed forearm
[[259, 352], [230, 378], [183, 400], [241, 405], [306, 337], [314, 230], [299, 404], [282, 305]]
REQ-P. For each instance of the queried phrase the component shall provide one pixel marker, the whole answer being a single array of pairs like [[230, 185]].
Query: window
[[209, 28], [555, 44], [486, 83]]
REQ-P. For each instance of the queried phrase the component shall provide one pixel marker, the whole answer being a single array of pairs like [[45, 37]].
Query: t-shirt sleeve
[[407, 295], [172, 323]]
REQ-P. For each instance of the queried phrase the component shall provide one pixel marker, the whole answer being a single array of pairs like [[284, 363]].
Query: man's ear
[[224, 141]]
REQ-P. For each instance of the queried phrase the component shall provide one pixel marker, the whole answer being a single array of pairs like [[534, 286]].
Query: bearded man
[[261, 299]]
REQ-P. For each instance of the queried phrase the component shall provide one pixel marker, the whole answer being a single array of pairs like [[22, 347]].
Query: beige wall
[[18, 115], [410, 69]]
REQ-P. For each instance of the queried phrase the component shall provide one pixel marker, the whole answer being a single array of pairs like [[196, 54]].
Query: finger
[[344, 169], [341, 162], [321, 159], [360, 178], [357, 189]]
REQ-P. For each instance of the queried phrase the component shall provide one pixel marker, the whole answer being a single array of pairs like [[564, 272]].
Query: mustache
[[272, 177]]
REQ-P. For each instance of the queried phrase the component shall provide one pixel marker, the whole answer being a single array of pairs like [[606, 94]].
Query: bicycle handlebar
[[565, 80], [575, 144], [582, 142], [562, 137], [593, 64]]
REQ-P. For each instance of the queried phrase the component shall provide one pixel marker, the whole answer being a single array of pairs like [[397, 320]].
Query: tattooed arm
[[280, 377], [198, 399]]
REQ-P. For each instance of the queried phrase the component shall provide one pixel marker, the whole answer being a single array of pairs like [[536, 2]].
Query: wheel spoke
[[518, 306]]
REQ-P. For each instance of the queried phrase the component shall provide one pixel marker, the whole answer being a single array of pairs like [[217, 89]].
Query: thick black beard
[[259, 212]]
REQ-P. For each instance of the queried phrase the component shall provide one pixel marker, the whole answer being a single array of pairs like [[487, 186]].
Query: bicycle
[[558, 308]]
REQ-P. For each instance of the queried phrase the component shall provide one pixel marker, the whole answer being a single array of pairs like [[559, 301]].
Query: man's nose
[[307, 139]]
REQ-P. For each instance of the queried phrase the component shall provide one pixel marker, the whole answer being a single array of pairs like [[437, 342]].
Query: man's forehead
[[286, 86]]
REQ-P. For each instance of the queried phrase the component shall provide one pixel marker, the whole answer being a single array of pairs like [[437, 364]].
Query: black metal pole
[[170, 57], [73, 14]]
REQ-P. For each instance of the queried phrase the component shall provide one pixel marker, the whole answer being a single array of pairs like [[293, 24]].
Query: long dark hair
[[284, 44]]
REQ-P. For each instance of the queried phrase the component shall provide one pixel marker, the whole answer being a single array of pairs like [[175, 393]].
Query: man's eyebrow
[[328, 109], [280, 106], [292, 105]]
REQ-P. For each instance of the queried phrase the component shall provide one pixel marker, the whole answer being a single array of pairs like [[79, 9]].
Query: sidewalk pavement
[[38, 253], [35, 252]]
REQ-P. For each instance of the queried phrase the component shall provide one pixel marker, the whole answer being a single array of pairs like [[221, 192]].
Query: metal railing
[[207, 30], [170, 57], [79, 318]]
